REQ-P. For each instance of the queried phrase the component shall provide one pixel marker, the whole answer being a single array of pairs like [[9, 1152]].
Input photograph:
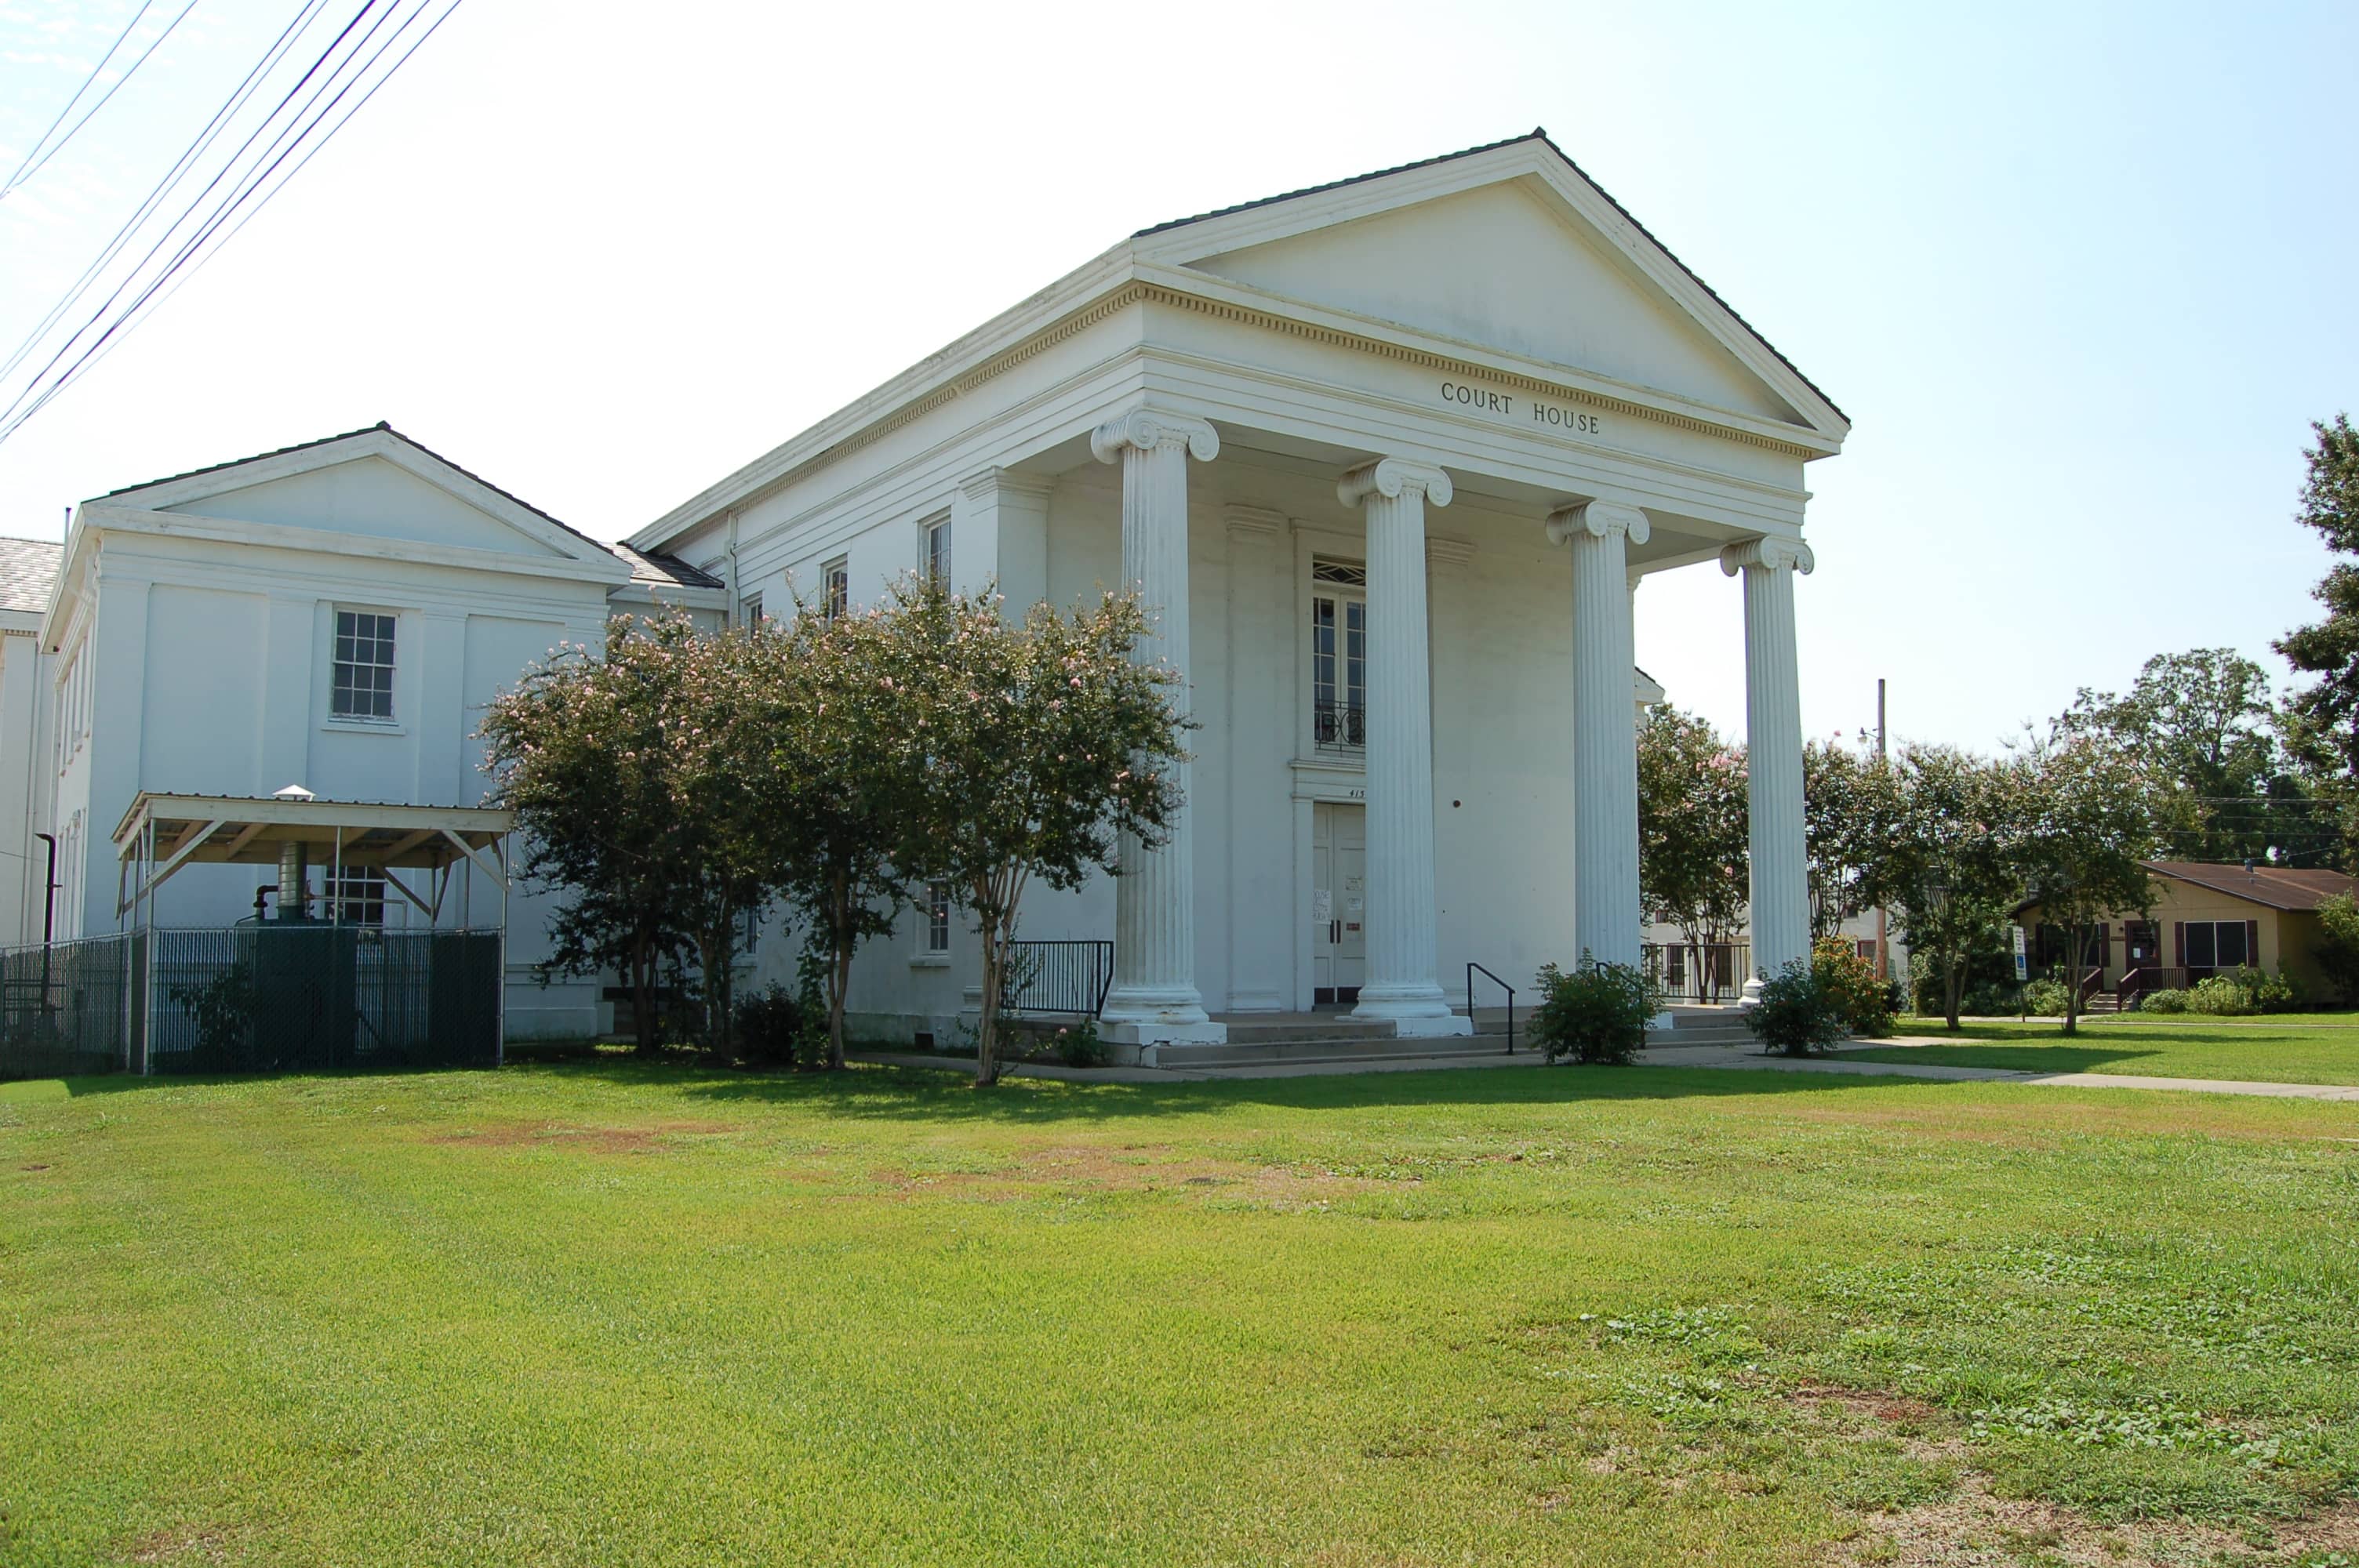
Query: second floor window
[[1339, 656], [938, 553], [753, 611], [363, 686], [837, 596]]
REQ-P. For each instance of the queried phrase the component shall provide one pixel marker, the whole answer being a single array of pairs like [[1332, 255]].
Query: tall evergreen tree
[[2326, 714]]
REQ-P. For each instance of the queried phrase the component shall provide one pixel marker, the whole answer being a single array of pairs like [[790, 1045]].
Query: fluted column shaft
[[1401, 982], [1155, 896], [1606, 923], [1779, 889]]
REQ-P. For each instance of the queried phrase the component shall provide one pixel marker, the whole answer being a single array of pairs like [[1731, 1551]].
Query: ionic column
[[1606, 925], [1154, 897], [1780, 890], [1401, 982]]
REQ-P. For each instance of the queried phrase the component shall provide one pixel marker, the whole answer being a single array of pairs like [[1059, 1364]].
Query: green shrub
[[2169, 999], [1850, 980], [770, 1027], [2337, 951], [1077, 1044], [2044, 998], [2220, 996], [1796, 1014], [224, 1009], [1597, 1013]]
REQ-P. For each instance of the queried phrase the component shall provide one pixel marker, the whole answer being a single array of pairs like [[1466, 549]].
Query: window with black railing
[[1339, 660]]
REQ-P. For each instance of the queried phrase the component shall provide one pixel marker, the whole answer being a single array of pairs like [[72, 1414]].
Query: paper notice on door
[[1355, 906], [1323, 905]]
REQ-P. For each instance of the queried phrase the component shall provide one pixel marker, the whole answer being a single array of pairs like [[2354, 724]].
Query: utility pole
[[1883, 948]]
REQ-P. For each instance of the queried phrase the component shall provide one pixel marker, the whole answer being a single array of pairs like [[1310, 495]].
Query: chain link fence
[[259, 998]]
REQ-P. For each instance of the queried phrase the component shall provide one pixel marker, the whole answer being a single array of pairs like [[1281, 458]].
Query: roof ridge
[[1538, 134]]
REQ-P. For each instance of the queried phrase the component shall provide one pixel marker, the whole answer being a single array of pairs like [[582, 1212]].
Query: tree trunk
[[986, 1045], [2072, 984], [838, 985], [1953, 980], [643, 994]]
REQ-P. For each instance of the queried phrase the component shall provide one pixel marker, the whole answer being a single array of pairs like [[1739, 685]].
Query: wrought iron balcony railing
[[1338, 727]]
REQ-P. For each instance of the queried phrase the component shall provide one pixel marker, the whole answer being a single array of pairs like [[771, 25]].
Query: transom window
[[2217, 944], [1339, 656], [362, 688], [837, 596]]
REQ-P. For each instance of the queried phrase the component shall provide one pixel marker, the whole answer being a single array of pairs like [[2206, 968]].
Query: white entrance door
[[1339, 901]]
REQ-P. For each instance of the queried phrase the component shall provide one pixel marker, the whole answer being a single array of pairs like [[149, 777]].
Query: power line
[[173, 176], [26, 171], [291, 128], [175, 274], [95, 71]]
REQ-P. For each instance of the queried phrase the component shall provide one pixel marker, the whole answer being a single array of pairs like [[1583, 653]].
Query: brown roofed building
[[2207, 919]]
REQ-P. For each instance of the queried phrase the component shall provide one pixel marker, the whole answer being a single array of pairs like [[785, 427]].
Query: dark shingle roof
[[28, 572], [1537, 133], [668, 571], [2277, 887]]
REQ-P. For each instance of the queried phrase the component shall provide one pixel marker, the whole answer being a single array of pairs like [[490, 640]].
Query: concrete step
[[1307, 1031], [1362, 1048]]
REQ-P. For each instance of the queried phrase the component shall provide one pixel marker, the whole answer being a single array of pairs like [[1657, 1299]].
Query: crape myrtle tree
[[1691, 827], [578, 749], [1945, 830], [1841, 806], [1030, 747], [2083, 829], [835, 776]]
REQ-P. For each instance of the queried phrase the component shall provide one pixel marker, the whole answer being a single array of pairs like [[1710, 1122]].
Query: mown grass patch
[[594, 1313], [2289, 1049]]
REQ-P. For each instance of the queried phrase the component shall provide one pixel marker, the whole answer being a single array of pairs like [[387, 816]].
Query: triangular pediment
[[380, 491], [1509, 248], [369, 496]]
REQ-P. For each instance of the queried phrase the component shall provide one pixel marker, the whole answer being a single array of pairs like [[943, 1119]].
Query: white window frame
[[391, 717], [835, 589], [356, 887], [2243, 939], [933, 933], [1344, 584], [936, 565]]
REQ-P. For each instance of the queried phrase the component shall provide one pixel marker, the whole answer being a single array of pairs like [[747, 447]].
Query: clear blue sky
[[2081, 276]]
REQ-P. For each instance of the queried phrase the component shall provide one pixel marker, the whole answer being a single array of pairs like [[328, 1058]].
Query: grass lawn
[[2296, 1048], [598, 1313]]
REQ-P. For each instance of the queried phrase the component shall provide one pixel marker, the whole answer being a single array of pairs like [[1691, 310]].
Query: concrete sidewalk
[[1717, 1056]]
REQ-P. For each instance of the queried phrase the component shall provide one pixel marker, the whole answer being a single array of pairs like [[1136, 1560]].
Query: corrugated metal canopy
[[249, 831]]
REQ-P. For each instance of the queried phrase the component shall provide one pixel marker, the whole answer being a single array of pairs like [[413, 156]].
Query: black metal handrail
[[1070, 975], [1337, 724], [1474, 969]]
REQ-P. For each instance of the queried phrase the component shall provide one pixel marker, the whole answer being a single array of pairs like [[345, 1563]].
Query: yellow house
[[2206, 919]]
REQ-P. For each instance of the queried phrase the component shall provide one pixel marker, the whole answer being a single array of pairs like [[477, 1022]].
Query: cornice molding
[[1770, 552], [1256, 525], [1597, 519], [1147, 428], [1390, 478], [993, 483]]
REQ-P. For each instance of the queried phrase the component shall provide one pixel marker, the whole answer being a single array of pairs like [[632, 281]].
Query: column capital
[[1147, 428], [986, 483], [1597, 519], [1768, 552], [1390, 476]]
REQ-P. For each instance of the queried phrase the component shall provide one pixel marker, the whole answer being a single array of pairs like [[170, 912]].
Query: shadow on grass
[[945, 1092]]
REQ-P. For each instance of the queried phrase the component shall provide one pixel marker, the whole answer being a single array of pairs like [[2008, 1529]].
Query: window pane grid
[[362, 684]]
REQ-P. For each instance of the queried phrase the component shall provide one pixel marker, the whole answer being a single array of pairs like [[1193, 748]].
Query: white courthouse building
[[1389, 460]]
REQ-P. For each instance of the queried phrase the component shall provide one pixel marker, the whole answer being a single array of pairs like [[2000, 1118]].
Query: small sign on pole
[[2022, 958]]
